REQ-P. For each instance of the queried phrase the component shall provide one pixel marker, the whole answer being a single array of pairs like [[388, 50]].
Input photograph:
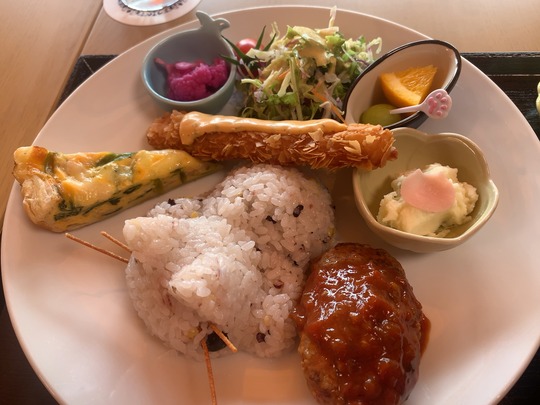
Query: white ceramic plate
[[72, 315]]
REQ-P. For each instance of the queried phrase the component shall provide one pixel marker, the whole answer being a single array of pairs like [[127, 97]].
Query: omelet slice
[[63, 192]]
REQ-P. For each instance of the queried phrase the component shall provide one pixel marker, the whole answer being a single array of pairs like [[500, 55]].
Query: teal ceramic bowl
[[202, 44]]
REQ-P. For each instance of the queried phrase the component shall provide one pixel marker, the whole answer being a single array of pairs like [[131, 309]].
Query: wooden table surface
[[42, 40]]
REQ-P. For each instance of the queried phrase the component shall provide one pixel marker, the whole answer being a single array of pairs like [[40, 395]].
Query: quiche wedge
[[62, 192]]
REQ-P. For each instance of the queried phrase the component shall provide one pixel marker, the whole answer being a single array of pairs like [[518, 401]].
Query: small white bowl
[[417, 149], [204, 43], [366, 89]]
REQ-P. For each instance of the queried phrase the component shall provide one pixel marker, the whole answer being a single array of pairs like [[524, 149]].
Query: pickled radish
[[191, 81]]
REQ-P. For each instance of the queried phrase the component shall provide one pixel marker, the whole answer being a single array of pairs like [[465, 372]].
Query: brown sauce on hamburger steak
[[362, 331]]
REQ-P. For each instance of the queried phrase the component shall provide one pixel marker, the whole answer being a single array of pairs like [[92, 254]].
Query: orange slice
[[408, 87]]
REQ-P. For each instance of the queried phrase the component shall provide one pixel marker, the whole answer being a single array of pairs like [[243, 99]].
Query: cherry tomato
[[249, 67], [246, 44]]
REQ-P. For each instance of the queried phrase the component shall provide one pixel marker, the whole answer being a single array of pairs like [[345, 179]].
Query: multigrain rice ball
[[235, 259]]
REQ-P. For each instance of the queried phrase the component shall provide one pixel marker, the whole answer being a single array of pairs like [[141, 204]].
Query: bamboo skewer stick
[[224, 338], [204, 346], [209, 372], [91, 246], [115, 241]]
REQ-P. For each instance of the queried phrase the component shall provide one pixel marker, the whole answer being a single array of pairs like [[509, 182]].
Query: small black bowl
[[366, 89]]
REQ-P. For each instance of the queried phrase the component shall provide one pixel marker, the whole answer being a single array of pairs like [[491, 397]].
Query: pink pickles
[[191, 81]]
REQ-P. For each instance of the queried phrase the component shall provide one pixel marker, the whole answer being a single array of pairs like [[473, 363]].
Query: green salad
[[304, 74]]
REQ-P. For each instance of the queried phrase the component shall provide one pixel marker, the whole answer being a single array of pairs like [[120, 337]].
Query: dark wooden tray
[[517, 74]]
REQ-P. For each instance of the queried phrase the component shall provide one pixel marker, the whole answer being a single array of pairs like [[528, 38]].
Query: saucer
[[118, 11]]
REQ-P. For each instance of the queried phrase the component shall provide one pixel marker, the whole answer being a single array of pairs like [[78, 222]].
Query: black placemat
[[85, 67], [517, 74]]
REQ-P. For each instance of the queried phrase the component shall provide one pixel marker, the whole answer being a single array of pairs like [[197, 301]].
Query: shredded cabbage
[[306, 73]]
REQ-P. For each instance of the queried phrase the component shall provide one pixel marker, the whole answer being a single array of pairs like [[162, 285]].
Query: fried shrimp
[[323, 143]]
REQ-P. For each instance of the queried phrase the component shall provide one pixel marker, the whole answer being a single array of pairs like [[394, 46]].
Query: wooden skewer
[[116, 241], [209, 371], [224, 338], [217, 331], [204, 346], [104, 251]]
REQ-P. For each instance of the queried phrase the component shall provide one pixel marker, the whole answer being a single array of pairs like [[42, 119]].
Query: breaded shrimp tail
[[321, 143]]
